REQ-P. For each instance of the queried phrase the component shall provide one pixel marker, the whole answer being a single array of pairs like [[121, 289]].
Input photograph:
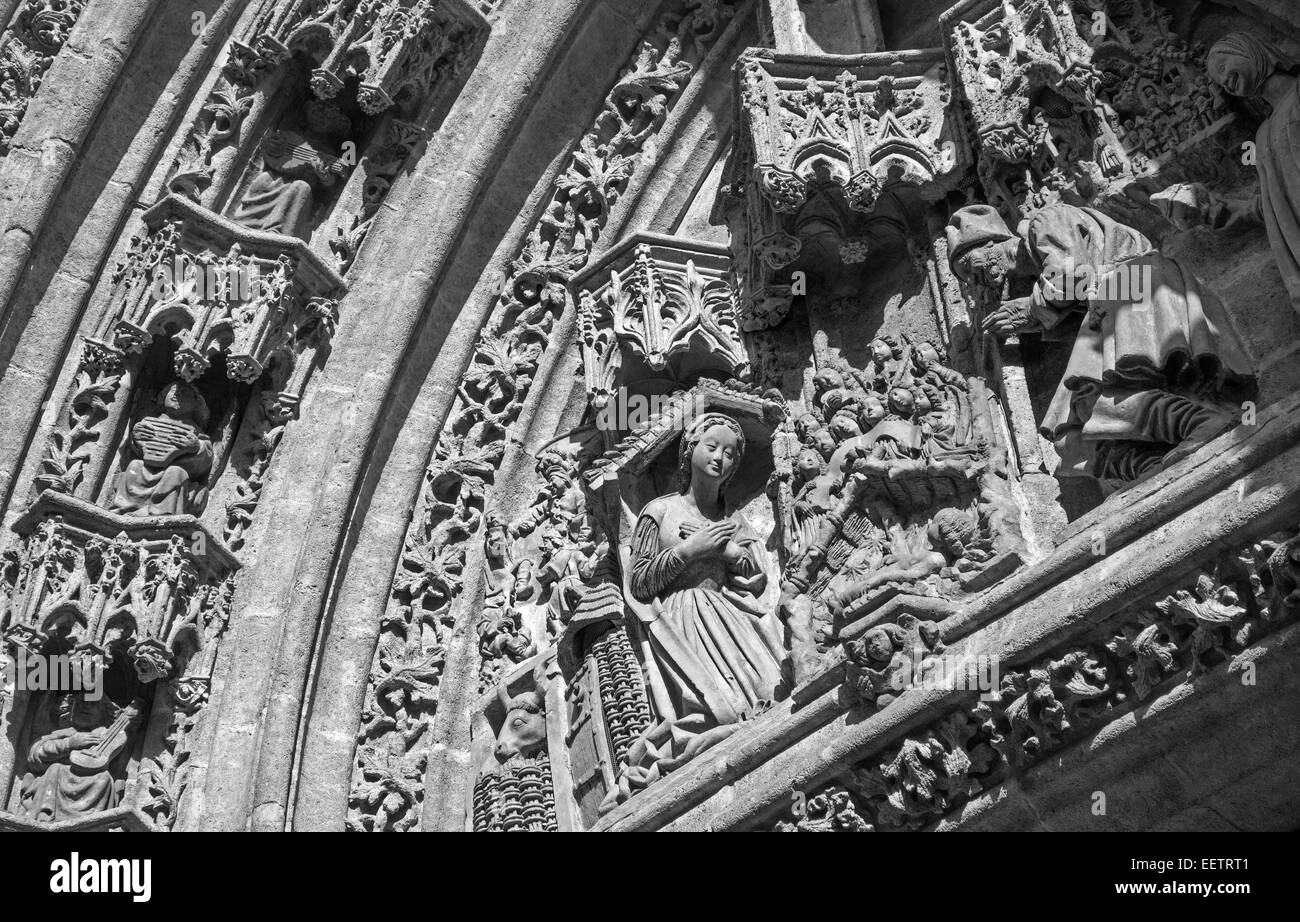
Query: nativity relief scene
[[839, 418]]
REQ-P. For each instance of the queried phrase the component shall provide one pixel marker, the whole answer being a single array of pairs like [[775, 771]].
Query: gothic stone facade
[[605, 415]]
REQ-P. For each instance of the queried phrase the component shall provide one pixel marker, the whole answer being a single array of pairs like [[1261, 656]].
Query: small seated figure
[[281, 197], [572, 555], [79, 768], [173, 458]]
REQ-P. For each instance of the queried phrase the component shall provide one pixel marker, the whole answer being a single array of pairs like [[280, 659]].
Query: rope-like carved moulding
[[111, 625], [825, 146], [394, 48]]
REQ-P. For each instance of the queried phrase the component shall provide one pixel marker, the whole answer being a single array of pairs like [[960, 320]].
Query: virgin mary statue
[[698, 580]]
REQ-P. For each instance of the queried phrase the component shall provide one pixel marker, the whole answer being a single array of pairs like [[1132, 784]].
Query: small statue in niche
[[296, 168], [572, 555], [699, 575], [1156, 369], [79, 768], [1249, 67], [173, 458]]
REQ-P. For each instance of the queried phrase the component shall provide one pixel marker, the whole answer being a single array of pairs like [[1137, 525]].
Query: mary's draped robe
[[717, 653]]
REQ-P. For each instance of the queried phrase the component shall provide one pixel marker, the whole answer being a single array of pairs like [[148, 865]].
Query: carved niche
[[208, 334], [665, 318], [319, 108], [135, 608]]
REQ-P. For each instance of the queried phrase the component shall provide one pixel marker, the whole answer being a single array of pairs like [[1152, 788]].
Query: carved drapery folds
[[207, 337], [1077, 101], [821, 142], [28, 47]]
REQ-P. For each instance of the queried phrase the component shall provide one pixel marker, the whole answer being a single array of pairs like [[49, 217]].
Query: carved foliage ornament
[[501, 374]]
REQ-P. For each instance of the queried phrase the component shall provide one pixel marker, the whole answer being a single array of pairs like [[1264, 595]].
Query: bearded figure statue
[[1252, 68], [1156, 369]]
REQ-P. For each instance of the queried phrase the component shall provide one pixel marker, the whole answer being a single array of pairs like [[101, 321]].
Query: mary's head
[[1241, 63], [711, 450]]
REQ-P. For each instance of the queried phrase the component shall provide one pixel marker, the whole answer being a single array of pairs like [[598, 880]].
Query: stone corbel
[[230, 290], [854, 127], [395, 48], [654, 310]]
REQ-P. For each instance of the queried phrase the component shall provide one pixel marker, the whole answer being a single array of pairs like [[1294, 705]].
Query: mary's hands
[[707, 541]]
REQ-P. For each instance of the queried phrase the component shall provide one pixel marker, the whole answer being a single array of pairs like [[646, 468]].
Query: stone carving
[[28, 47], [143, 608], [173, 457], [216, 130], [515, 793], [281, 197], [395, 49], [666, 313], [700, 578], [1250, 67], [78, 769], [511, 345], [255, 300], [888, 658], [896, 483], [1055, 700], [72, 444], [1157, 369], [833, 810], [822, 143], [381, 169], [1075, 102], [277, 410]]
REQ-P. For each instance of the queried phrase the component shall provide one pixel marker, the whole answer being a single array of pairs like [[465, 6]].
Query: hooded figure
[[1252, 68], [1156, 369]]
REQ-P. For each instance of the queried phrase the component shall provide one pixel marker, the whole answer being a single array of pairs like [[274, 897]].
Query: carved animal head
[[523, 734]]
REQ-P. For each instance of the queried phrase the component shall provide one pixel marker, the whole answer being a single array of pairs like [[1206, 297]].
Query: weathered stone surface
[[817, 415]]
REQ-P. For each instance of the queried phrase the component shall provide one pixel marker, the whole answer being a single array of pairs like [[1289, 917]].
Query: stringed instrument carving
[[292, 155], [97, 758]]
